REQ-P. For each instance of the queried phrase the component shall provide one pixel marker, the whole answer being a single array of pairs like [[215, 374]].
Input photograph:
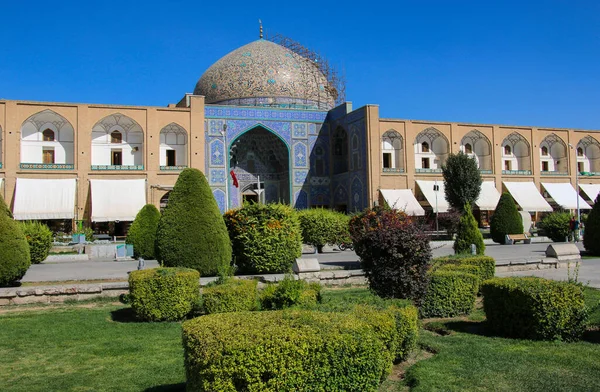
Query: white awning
[[488, 197], [44, 199], [427, 189], [117, 200], [565, 196], [402, 199], [591, 190], [527, 196]]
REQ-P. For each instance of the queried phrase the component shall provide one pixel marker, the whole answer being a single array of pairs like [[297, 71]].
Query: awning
[[117, 200], [427, 189], [591, 190], [402, 199], [527, 196], [44, 199], [565, 196], [488, 197]]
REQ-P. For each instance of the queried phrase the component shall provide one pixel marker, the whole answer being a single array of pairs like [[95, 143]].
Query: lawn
[[97, 347]]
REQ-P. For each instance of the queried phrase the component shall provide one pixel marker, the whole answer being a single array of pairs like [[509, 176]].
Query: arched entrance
[[261, 154]]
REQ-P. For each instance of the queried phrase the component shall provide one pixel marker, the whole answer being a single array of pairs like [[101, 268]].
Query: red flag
[[234, 178]]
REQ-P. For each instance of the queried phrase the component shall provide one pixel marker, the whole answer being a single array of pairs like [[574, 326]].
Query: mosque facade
[[263, 125]]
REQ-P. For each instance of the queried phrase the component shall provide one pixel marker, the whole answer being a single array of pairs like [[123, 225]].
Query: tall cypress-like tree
[[462, 180], [506, 219], [591, 232], [14, 249], [191, 232], [142, 233], [468, 233]]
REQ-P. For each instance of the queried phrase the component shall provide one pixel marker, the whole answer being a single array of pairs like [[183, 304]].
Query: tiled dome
[[264, 73]]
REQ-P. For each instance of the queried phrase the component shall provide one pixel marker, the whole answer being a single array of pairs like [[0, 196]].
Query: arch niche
[[259, 152], [553, 154], [47, 138], [431, 150], [392, 152], [117, 140], [516, 154], [476, 145], [588, 155], [173, 146]]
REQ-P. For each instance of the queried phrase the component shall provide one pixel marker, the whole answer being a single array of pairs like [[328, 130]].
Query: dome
[[263, 73]]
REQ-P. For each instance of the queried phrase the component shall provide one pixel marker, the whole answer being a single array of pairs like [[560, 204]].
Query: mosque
[[266, 124]]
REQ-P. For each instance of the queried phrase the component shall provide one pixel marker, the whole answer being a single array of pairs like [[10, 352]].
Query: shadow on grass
[[470, 327], [124, 315], [591, 336], [167, 388]]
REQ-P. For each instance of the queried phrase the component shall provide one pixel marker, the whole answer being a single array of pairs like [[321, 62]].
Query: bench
[[512, 238]]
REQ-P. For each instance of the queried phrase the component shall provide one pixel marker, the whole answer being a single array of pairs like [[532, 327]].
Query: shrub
[[462, 180], [283, 351], [450, 293], [506, 219], [534, 308], [321, 226], [232, 295], [191, 232], [449, 221], [14, 249], [556, 226], [485, 266], [39, 238], [468, 233], [88, 232], [591, 234], [164, 294], [290, 292], [393, 251], [266, 238], [142, 232]]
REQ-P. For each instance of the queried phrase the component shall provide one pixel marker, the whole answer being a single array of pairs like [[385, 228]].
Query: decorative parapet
[[428, 170], [516, 172], [117, 167], [46, 166], [173, 168], [392, 170], [553, 173]]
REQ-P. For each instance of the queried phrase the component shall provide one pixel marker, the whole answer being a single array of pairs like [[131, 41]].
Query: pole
[[577, 196], [436, 189], [224, 133], [258, 189]]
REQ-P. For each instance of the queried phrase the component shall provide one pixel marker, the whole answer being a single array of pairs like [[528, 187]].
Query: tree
[[142, 233], [468, 233], [462, 180], [191, 232], [591, 232], [14, 249], [506, 219]]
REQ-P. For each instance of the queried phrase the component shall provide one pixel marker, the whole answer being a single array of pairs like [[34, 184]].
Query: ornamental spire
[[261, 29]]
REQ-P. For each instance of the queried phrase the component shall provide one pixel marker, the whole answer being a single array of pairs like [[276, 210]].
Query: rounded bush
[[468, 233], [39, 238], [14, 249], [191, 232], [233, 295], [266, 238], [450, 293], [321, 226], [506, 219], [394, 253], [164, 294], [290, 292], [591, 233], [484, 266], [284, 351], [142, 232], [556, 226]]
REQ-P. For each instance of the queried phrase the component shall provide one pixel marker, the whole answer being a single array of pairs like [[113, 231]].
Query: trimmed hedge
[[14, 249], [506, 219], [450, 293], [485, 266], [284, 351], [164, 294], [321, 226], [534, 308], [290, 292], [142, 233], [39, 238], [266, 238], [556, 226], [233, 295]]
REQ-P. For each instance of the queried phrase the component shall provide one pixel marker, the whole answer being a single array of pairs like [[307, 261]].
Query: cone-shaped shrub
[[14, 249], [39, 238], [191, 232], [468, 234], [591, 234], [142, 233], [506, 219]]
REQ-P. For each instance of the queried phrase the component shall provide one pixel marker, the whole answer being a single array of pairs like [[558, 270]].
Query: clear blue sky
[[507, 62]]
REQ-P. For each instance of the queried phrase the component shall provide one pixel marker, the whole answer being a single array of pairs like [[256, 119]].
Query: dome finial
[[261, 29]]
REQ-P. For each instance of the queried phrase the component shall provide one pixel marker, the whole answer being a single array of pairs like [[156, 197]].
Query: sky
[[530, 63]]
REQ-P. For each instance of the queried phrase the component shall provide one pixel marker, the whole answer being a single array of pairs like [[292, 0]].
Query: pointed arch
[[340, 150], [588, 155], [478, 146], [553, 154], [516, 154], [117, 143], [431, 149], [173, 146], [47, 141], [392, 151]]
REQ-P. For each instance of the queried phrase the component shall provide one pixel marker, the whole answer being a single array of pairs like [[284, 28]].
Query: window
[[48, 155], [468, 148], [387, 160], [116, 137], [424, 147], [579, 151], [545, 151], [580, 167], [48, 135], [545, 166], [171, 158], [507, 165], [507, 150], [425, 163], [116, 157]]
